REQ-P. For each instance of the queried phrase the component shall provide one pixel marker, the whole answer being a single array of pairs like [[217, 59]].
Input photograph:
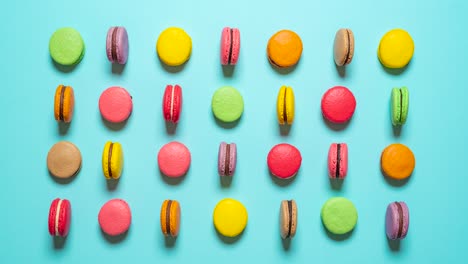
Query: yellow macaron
[[112, 160], [396, 49], [285, 105], [174, 46], [230, 217]]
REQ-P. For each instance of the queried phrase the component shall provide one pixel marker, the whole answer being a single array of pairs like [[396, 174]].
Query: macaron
[[66, 46], [117, 45], [174, 159], [115, 104], [397, 161], [174, 46], [343, 48], [284, 161], [400, 105], [64, 102], [170, 218], [172, 103], [230, 46], [397, 220], [115, 217], [285, 105], [227, 159], [338, 104], [338, 160], [339, 216], [230, 217], [227, 104], [288, 219], [64, 160], [112, 160], [284, 48], [396, 49], [59, 217]]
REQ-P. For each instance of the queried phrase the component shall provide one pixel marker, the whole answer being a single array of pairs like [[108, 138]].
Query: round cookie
[[284, 161], [338, 104], [284, 48], [174, 159], [115, 104], [227, 104], [339, 215], [115, 217], [64, 160], [66, 46], [174, 46], [396, 49], [397, 161], [230, 217]]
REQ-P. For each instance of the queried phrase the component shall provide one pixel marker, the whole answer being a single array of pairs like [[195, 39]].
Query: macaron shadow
[[227, 125], [228, 70], [284, 129], [169, 241], [341, 70], [283, 70], [64, 68], [229, 240], [172, 69], [114, 239], [395, 72], [336, 237], [286, 243], [117, 68], [112, 184], [393, 182], [394, 245], [171, 180], [397, 130], [225, 181], [282, 182], [114, 126], [170, 127], [59, 242], [335, 126], [336, 184], [64, 180], [63, 128]]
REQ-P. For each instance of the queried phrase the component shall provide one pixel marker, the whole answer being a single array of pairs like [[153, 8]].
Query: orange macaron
[[397, 161], [284, 48], [170, 218], [64, 103]]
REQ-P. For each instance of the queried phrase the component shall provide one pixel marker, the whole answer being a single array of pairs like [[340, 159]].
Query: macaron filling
[[285, 115], [109, 158], [230, 45], [400, 217], [114, 44], [348, 47], [401, 104], [226, 161], [62, 95], [172, 103], [168, 217], [57, 216], [338, 160], [290, 218]]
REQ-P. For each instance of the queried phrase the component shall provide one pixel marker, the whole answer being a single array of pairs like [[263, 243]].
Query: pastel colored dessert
[[397, 220], [115, 104], [66, 46], [174, 159], [230, 46], [64, 160], [396, 49], [400, 105], [288, 219], [112, 160], [172, 103], [170, 218], [174, 46], [397, 161], [115, 217], [284, 48], [284, 161], [285, 105], [117, 45], [64, 103], [343, 49], [338, 104], [227, 159], [227, 104], [230, 217], [59, 217], [339, 216], [338, 160]]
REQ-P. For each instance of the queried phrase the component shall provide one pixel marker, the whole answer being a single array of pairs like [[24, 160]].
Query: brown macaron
[[288, 218], [170, 218], [343, 49], [64, 102], [64, 160]]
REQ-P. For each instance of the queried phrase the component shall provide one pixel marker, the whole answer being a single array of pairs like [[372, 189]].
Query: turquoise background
[[435, 131]]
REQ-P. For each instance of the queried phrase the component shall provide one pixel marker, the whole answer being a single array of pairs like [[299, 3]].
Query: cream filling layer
[[172, 102], [57, 214]]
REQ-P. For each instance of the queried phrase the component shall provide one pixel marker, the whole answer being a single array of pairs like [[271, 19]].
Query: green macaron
[[227, 104], [66, 46], [400, 104], [339, 215]]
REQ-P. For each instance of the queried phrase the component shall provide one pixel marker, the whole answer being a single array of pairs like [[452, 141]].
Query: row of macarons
[[174, 158], [284, 48], [338, 104], [339, 216]]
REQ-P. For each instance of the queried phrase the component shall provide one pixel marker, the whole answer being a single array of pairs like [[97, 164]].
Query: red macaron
[[59, 217], [284, 160], [230, 46], [338, 104], [172, 103], [115, 217]]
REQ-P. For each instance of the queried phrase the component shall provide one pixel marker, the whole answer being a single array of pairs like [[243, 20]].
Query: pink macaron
[[338, 160], [338, 104], [117, 45], [174, 159], [284, 161], [115, 104], [227, 159], [115, 217], [397, 220], [59, 217], [172, 103], [230, 46]]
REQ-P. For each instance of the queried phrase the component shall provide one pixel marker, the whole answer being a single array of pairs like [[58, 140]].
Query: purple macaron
[[227, 158], [397, 220], [117, 45]]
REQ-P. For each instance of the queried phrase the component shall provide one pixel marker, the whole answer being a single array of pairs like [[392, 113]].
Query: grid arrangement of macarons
[[284, 49]]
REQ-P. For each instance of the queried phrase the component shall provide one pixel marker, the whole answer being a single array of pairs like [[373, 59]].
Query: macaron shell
[[284, 48], [225, 45], [396, 49], [405, 104], [230, 217], [396, 106], [121, 45], [236, 44], [52, 214], [115, 217], [68, 103], [392, 221], [284, 219], [332, 160], [227, 104], [339, 215], [115, 104], [284, 161], [338, 104], [174, 46], [343, 49], [64, 160], [66, 46], [397, 161], [174, 159]]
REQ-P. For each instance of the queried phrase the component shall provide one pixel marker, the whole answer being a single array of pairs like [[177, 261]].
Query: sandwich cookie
[[338, 161], [397, 161], [112, 160], [64, 160], [227, 104], [397, 220], [339, 216], [227, 159], [338, 104], [400, 105], [64, 103], [230, 217], [396, 49], [174, 159], [284, 161], [343, 48], [115, 104], [174, 46], [115, 217], [230, 46], [59, 217], [66, 46], [170, 218], [284, 49], [288, 219], [172, 103], [117, 45], [285, 105]]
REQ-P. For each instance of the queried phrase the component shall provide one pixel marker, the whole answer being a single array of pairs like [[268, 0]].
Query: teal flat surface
[[435, 130]]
